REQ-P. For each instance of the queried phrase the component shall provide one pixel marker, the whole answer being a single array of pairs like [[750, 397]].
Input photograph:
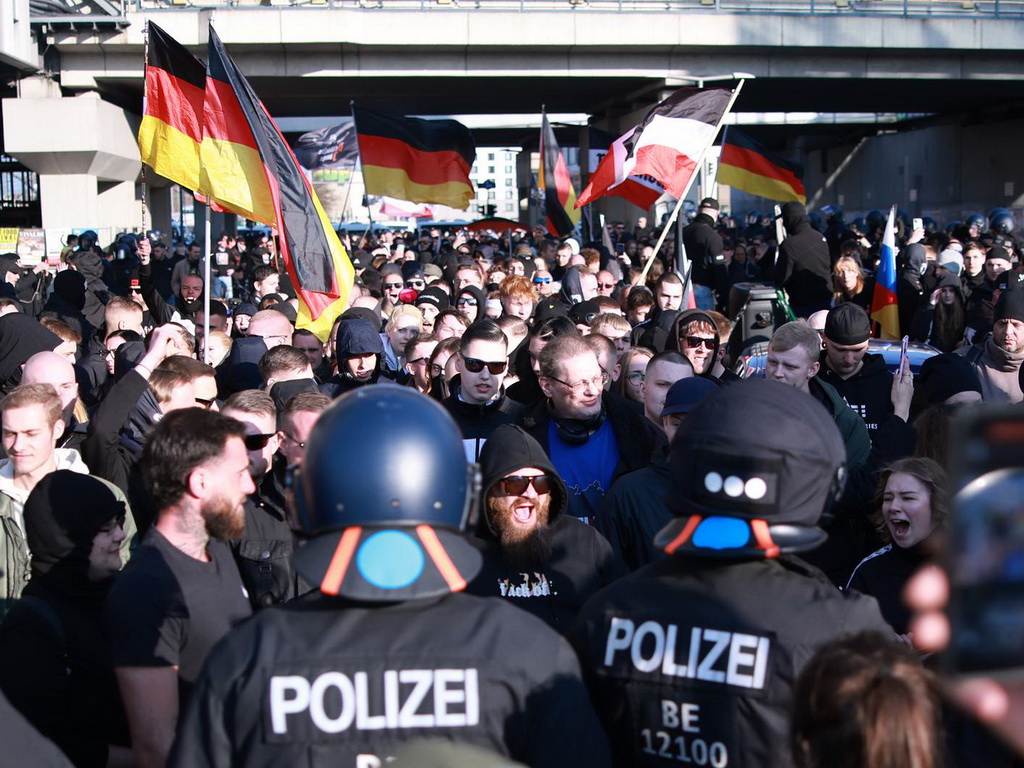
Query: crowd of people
[[519, 499]]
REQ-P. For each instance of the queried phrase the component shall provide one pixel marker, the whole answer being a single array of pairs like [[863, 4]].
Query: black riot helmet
[[1001, 222], [875, 220], [753, 469], [977, 220], [383, 497]]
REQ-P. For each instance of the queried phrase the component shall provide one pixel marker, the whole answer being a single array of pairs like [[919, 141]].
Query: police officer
[[388, 650], [692, 659]]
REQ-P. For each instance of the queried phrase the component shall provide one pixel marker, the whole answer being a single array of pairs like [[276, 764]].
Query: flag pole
[[206, 283], [689, 183]]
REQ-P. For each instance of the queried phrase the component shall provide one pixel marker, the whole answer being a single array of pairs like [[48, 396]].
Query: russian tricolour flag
[[884, 306]]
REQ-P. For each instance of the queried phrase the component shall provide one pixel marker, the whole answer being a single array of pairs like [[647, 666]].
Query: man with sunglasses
[[478, 403], [263, 551], [590, 439], [543, 282], [535, 555], [695, 334]]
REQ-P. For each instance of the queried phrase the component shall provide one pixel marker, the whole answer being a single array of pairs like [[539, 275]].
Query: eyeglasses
[[516, 485], [414, 284], [636, 376], [543, 280], [435, 369], [393, 286], [417, 361], [696, 341], [597, 382], [297, 443], [466, 302], [606, 285], [207, 403], [257, 442], [475, 366]]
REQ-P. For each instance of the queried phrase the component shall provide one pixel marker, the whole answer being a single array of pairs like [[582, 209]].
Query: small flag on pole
[[665, 146], [422, 161], [745, 164], [884, 306], [555, 185]]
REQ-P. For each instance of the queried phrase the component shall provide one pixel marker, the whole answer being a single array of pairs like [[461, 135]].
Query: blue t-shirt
[[587, 468]]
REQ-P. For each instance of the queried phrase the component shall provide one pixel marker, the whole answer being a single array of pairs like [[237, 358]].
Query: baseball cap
[[754, 466], [710, 202], [11, 262], [847, 324], [686, 394]]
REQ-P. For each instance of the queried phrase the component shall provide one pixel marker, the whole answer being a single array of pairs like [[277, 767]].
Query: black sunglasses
[[206, 403], [475, 366], [464, 301], [516, 485], [257, 442], [696, 341]]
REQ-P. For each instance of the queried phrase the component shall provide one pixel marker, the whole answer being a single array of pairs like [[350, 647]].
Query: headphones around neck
[[578, 431]]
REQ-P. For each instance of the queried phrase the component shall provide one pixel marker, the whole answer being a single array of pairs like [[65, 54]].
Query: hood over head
[[680, 321], [794, 217], [70, 286], [357, 337], [63, 514], [90, 265], [20, 338], [572, 290], [511, 448]]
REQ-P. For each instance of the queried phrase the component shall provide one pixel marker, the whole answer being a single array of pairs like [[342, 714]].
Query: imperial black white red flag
[[666, 146]]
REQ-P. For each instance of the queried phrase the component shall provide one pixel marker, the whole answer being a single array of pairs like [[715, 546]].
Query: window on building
[[490, 156]]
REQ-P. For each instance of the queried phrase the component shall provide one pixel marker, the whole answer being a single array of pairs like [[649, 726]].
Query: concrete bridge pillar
[[85, 152]]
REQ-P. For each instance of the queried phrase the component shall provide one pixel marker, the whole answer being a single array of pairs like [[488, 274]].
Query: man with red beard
[[537, 557], [181, 591]]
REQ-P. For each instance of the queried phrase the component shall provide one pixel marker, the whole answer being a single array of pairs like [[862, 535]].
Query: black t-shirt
[[169, 609]]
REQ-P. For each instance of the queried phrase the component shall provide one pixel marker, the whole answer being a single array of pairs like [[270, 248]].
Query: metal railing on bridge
[[96, 9]]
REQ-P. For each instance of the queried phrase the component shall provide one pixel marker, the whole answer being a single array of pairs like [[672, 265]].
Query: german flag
[[422, 161], [746, 165], [172, 115], [248, 168], [555, 185]]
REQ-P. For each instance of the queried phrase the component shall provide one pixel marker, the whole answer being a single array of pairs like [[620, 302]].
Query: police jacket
[[692, 660], [868, 392], [704, 250], [324, 681], [802, 266]]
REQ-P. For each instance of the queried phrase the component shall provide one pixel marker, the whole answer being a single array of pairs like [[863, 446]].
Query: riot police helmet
[[753, 467], [383, 498]]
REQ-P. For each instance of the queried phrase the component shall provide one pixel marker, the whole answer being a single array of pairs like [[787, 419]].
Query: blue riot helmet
[[817, 221], [977, 220], [1002, 222], [87, 240], [383, 499]]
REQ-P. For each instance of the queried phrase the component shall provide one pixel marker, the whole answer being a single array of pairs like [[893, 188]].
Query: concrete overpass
[[612, 59]]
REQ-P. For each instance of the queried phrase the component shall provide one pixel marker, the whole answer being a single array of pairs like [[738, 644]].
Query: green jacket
[[851, 426]]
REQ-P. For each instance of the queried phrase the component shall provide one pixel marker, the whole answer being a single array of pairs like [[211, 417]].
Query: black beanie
[[847, 324], [1010, 306], [943, 376]]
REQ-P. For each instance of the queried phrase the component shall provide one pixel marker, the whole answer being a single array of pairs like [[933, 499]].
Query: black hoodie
[[55, 662], [580, 561], [868, 392], [355, 337], [803, 267]]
